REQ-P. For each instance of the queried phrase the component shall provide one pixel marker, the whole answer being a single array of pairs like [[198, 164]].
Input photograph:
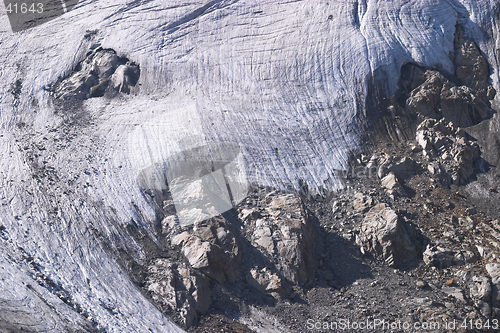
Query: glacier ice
[[286, 81]]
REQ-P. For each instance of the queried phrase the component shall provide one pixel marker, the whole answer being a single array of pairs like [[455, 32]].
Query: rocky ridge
[[102, 71]]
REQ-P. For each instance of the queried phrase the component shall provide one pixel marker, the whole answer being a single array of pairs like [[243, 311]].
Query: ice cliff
[[286, 81]]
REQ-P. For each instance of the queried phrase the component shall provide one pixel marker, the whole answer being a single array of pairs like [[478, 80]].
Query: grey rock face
[[385, 236], [180, 289], [285, 234], [234, 62], [211, 249]]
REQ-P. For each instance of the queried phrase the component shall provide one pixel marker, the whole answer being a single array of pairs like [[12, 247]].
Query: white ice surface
[[279, 78]]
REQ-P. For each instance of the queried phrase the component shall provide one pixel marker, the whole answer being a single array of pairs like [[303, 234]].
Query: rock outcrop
[[448, 148], [211, 248], [437, 97], [462, 98], [100, 72], [285, 234], [179, 290]]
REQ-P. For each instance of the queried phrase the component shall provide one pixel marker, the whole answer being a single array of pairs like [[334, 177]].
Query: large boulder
[[212, 249], [179, 289], [284, 233], [385, 236]]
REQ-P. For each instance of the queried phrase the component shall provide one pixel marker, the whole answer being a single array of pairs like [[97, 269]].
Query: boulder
[[177, 288], [385, 236], [392, 185], [285, 235], [480, 292], [390, 182], [125, 77], [404, 168], [401, 167], [212, 249], [103, 63], [454, 292], [266, 281]]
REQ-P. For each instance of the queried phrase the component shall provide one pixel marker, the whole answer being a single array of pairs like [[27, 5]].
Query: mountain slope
[[287, 81]]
